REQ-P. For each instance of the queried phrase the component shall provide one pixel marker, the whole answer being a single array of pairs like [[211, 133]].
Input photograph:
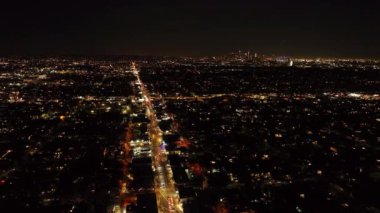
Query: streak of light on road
[[168, 199], [5, 154]]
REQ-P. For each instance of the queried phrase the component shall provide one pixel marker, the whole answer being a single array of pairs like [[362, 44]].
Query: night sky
[[340, 28]]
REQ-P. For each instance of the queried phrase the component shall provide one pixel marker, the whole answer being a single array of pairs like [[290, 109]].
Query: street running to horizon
[[166, 193]]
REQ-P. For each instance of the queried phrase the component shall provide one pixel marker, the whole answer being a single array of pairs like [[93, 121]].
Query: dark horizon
[[314, 29], [74, 55]]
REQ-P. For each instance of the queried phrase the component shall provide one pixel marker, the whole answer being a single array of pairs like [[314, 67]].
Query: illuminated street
[[167, 195]]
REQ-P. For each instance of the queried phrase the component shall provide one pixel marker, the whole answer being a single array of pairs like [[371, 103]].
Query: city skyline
[[199, 28]]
